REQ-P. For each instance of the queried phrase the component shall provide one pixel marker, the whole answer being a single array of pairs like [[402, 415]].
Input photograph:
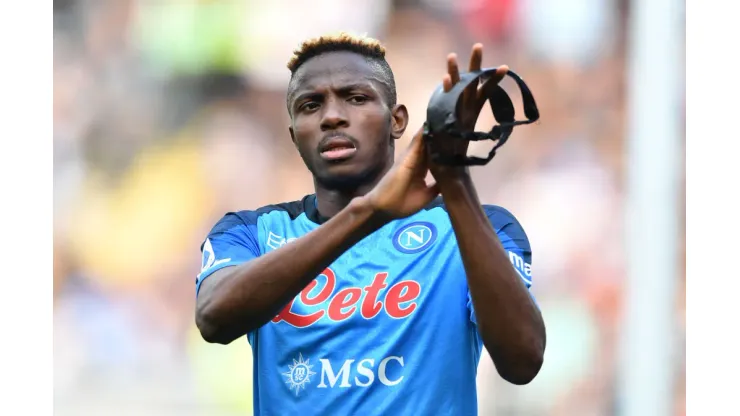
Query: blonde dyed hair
[[342, 41]]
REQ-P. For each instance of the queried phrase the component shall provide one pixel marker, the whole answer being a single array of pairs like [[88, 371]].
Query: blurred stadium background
[[168, 113]]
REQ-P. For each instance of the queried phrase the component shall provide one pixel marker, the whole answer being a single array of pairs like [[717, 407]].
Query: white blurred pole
[[653, 141]]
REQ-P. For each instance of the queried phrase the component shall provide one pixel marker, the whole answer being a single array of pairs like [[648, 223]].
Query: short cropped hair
[[370, 48]]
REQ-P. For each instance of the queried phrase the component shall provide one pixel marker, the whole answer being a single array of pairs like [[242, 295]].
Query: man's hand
[[471, 102], [236, 300], [507, 319], [403, 191]]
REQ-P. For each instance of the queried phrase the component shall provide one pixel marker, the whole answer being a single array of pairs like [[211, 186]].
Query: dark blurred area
[[169, 113]]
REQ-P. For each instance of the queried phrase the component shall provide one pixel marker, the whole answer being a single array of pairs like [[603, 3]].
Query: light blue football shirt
[[387, 329]]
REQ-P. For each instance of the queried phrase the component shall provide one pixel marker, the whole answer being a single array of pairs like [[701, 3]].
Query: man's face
[[341, 122]]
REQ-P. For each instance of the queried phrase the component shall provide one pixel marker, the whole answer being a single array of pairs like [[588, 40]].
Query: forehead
[[333, 69]]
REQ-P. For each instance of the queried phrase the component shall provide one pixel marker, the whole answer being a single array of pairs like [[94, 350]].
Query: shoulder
[[244, 225], [292, 209], [498, 215], [504, 222], [507, 226]]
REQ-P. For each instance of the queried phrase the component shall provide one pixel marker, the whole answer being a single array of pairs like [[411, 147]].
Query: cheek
[[385, 131], [379, 122], [303, 135], [304, 150]]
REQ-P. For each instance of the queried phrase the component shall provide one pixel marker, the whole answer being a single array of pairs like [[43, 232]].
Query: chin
[[345, 176]]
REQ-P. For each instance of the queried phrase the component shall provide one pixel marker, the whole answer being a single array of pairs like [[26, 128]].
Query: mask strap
[[503, 111]]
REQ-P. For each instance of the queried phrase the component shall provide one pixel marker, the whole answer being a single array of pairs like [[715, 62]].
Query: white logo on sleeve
[[275, 241], [209, 257], [524, 269]]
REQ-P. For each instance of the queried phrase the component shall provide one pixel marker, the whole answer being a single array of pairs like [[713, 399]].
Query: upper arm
[[232, 241], [514, 241]]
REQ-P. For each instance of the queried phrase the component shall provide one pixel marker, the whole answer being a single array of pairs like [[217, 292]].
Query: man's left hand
[[471, 102]]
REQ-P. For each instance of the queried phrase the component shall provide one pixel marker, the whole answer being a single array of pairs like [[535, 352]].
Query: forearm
[[509, 321], [248, 296]]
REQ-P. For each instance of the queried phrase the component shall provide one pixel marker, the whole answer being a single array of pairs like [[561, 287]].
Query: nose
[[334, 116]]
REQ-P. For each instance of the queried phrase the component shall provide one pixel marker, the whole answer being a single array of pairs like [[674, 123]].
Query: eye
[[308, 106], [358, 99]]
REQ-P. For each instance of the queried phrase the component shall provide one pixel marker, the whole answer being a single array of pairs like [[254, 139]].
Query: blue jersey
[[387, 329]]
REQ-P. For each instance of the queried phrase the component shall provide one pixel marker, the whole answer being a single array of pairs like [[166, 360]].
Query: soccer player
[[372, 296]]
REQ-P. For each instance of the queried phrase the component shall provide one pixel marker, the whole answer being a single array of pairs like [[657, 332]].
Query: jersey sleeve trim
[[231, 242]]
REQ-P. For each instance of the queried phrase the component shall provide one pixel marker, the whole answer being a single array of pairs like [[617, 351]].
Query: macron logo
[[275, 241], [524, 269]]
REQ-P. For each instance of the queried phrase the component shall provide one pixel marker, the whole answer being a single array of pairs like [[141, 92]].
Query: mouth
[[338, 147]]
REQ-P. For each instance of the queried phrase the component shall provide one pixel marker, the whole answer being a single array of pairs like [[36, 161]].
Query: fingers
[[476, 57], [413, 156], [491, 83], [433, 190], [416, 141], [474, 93], [499, 74], [452, 68], [447, 83], [476, 60]]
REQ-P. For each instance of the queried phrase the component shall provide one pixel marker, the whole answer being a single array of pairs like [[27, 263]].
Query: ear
[[399, 120]]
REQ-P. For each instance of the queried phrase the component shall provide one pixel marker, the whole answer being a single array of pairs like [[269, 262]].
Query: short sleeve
[[232, 241], [515, 243]]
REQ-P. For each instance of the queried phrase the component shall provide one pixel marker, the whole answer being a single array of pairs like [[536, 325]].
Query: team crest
[[414, 237]]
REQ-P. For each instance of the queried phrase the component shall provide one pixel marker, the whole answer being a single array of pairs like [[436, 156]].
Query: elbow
[[524, 372], [211, 329], [521, 369]]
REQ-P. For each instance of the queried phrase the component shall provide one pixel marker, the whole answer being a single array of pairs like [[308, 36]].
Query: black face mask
[[442, 120]]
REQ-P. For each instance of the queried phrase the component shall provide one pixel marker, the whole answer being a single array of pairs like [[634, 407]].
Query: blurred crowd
[[169, 113]]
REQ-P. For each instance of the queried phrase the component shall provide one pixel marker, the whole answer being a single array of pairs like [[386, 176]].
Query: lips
[[337, 147]]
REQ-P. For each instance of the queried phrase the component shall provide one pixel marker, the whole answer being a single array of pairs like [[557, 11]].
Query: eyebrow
[[344, 89]]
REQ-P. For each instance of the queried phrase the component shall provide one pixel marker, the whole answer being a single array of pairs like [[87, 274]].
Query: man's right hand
[[403, 190], [236, 300]]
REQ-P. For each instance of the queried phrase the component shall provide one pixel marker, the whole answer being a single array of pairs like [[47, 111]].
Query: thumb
[[433, 190], [415, 152], [490, 84]]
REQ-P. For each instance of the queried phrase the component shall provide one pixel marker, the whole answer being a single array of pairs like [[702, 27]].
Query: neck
[[330, 201]]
